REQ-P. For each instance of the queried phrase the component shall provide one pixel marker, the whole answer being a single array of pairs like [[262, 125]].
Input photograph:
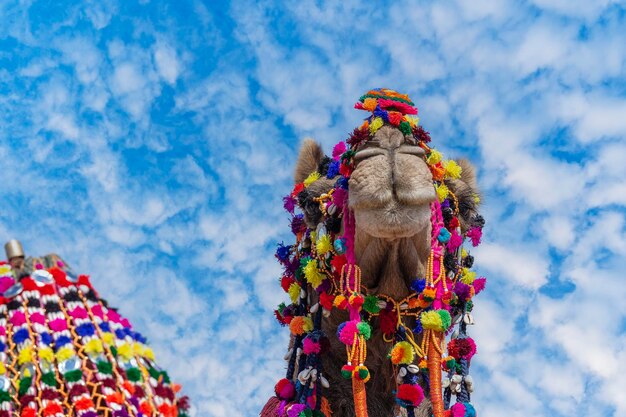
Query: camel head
[[390, 190]]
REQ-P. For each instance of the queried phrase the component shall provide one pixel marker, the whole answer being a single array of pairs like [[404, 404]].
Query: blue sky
[[149, 143]]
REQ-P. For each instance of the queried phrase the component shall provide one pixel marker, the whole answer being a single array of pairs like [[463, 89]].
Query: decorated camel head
[[377, 276]]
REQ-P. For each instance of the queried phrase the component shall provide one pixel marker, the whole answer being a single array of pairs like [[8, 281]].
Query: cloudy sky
[[149, 143]]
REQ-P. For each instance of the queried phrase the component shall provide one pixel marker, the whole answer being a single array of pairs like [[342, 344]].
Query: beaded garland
[[63, 352], [320, 274]]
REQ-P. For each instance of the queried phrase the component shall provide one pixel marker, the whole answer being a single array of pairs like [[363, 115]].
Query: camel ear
[[311, 154], [468, 174]]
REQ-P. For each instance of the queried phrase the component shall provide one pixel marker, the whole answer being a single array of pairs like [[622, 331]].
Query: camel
[[390, 195]]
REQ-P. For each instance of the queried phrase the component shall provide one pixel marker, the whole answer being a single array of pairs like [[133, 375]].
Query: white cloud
[[167, 62]]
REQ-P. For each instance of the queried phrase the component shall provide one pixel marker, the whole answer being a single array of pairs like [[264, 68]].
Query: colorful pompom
[[285, 389], [300, 325], [453, 170], [410, 394], [438, 320], [462, 348], [347, 332], [402, 353]]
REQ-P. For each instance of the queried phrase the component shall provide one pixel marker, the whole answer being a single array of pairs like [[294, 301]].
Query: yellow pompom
[[65, 353], [376, 124], [431, 320], [402, 353], [468, 276], [26, 355], [94, 346], [339, 300], [324, 245], [314, 176], [46, 354], [434, 157], [442, 192], [453, 170], [312, 274], [148, 353], [108, 338], [3, 370], [463, 253], [125, 351], [294, 292], [137, 349], [476, 198], [370, 104], [413, 120]]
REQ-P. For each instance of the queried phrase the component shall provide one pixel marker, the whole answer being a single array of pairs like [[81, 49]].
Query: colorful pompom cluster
[[319, 276], [68, 353]]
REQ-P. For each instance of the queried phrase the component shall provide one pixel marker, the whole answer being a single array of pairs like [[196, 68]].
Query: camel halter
[[320, 273]]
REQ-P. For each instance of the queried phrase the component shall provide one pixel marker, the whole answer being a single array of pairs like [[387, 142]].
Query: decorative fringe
[[271, 408]]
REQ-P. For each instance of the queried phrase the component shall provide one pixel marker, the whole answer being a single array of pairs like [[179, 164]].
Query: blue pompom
[[333, 170], [85, 329], [61, 341], [444, 235], [282, 252], [20, 336], [418, 285], [340, 245], [46, 338]]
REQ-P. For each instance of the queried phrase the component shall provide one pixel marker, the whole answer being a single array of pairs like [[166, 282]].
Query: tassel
[[434, 372], [360, 399]]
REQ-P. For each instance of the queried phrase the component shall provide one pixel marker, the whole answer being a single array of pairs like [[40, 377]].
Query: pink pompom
[[348, 332], [284, 389], [17, 319], [309, 346], [455, 241], [479, 284], [458, 410], [5, 283], [475, 233], [338, 150], [295, 410]]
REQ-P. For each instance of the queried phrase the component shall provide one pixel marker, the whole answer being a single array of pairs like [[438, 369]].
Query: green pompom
[[446, 320], [133, 374], [104, 367], [405, 127], [49, 379], [114, 351], [25, 383], [346, 371], [371, 304], [363, 373], [365, 329], [5, 397], [73, 376]]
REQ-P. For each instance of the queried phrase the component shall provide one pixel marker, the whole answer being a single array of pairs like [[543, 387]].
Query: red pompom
[[454, 223], [395, 118], [326, 300], [462, 348], [338, 263], [284, 389], [286, 281], [387, 322], [297, 189], [411, 394]]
